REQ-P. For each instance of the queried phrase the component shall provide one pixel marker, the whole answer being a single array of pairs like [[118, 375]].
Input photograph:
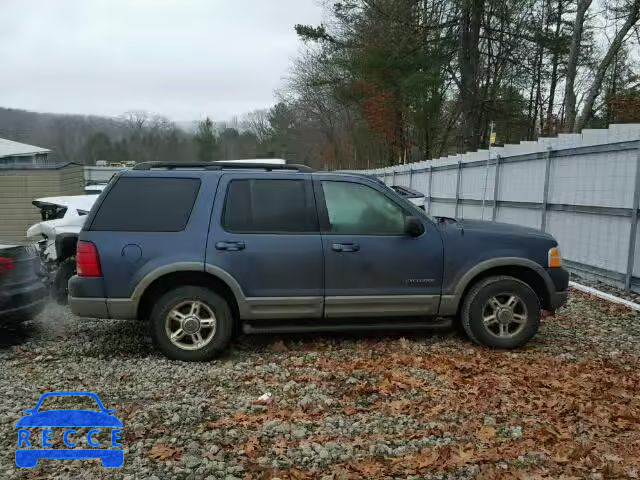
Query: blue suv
[[206, 249]]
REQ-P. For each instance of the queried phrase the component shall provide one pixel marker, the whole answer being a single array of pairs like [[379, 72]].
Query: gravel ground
[[423, 406]]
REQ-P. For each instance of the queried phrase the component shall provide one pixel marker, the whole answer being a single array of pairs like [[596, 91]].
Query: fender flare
[[449, 303], [209, 269]]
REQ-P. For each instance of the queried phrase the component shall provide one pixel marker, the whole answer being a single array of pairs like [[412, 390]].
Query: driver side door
[[372, 267]]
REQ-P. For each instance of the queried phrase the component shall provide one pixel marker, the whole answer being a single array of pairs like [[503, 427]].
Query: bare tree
[[555, 60], [632, 17], [257, 122], [572, 65], [469, 63], [136, 119]]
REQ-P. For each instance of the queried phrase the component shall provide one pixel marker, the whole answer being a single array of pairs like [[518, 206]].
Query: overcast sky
[[179, 58]]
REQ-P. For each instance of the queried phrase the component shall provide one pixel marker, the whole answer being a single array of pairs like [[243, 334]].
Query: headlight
[[555, 259]]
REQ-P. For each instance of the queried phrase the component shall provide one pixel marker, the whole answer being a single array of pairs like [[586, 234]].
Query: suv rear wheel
[[191, 323], [501, 312]]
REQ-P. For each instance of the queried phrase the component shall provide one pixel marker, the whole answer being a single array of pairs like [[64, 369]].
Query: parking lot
[[427, 405]]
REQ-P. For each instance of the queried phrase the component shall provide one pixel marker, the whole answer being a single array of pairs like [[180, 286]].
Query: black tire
[[65, 271], [217, 304], [477, 301]]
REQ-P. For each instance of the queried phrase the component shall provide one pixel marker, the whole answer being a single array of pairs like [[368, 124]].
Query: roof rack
[[222, 166]]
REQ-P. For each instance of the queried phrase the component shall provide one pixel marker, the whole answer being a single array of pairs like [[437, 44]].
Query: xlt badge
[[419, 281]]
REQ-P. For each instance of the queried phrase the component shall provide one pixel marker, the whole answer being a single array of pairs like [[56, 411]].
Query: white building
[[15, 154]]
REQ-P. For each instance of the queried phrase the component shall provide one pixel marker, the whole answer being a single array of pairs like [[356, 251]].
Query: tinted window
[[137, 204], [354, 208], [278, 206]]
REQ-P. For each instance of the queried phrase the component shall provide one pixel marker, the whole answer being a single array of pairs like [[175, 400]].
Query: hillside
[[65, 135]]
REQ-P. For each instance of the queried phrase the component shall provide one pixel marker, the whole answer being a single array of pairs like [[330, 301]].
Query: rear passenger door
[[264, 233]]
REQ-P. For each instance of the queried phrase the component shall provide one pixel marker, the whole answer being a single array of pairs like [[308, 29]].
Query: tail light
[[7, 264], [87, 260]]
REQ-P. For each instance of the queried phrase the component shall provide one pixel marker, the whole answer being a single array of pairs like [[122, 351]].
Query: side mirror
[[413, 227]]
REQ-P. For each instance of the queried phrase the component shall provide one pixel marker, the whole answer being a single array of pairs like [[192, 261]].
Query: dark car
[[22, 291], [204, 249]]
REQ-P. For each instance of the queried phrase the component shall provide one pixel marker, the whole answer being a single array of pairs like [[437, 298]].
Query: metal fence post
[[496, 181], [393, 177], [459, 174], [410, 176], [633, 224], [430, 183], [545, 191]]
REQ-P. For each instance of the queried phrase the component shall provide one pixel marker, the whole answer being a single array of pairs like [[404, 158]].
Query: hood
[[497, 228], [69, 418], [470, 242], [77, 202]]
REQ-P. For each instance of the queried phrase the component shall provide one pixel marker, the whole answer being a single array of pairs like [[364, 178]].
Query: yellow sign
[[492, 138]]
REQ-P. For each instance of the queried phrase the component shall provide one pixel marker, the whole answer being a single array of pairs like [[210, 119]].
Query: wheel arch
[[168, 278], [523, 269]]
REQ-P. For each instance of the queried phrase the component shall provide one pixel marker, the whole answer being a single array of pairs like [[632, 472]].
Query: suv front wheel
[[191, 323], [501, 312]]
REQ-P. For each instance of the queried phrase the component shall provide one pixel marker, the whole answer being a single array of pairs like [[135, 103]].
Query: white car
[[57, 235], [415, 197]]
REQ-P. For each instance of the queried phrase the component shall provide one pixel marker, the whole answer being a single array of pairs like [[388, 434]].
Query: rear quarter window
[[139, 204]]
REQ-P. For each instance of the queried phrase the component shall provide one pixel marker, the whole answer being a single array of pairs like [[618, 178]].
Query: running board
[[321, 326]]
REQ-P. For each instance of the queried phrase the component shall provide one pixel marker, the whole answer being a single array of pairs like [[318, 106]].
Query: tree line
[[385, 82], [140, 136]]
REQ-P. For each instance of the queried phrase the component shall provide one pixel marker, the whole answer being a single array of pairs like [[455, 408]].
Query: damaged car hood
[[72, 202]]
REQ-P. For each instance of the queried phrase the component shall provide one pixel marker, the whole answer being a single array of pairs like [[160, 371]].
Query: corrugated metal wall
[[19, 187], [582, 188]]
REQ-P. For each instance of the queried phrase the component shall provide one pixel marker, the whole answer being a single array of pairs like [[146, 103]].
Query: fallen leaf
[[486, 433], [462, 456], [427, 459], [368, 468], [163, 452], [251, 447], [279, 347]]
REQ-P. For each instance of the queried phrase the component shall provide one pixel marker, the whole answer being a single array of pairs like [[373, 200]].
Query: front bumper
[[559, 296], [558, 299]]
